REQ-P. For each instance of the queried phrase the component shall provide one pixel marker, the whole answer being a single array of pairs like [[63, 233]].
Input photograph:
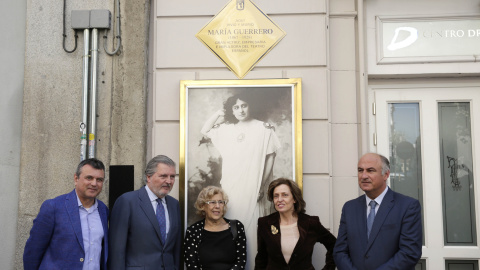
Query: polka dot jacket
[[193, 238]]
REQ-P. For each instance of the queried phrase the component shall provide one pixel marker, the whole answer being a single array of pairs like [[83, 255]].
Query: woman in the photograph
[[215, 242], [286, 238], [248, 148]]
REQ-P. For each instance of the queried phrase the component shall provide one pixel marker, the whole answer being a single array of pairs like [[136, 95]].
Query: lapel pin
[[274, 230]]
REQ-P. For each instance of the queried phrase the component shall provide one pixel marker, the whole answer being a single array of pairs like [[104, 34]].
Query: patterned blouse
[[193, 238]]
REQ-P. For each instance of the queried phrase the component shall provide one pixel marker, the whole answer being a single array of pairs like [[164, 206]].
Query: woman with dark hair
[[286, 238], [214, 243], [248, 148]]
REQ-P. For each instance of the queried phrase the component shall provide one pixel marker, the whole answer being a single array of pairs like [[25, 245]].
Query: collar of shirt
[[153, 198], [379, 200], [89, 210]]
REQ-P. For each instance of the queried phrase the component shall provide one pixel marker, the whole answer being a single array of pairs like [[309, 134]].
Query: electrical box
[[100, 18], [80, 19], [96, 18]]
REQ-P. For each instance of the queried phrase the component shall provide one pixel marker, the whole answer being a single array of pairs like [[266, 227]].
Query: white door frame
[[434, 251]]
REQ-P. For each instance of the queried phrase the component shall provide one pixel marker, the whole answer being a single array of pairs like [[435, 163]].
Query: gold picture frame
[[276, 103]]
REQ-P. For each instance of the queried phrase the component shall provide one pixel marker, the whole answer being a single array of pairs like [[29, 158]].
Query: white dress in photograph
[[243, 152]]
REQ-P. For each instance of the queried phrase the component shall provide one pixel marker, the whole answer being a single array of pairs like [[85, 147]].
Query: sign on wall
[[240, 35], [420, 40]]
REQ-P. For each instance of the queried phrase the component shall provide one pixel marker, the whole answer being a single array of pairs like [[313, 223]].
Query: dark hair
[[299, 204], [153, 163], [228, 104], [95, 163]]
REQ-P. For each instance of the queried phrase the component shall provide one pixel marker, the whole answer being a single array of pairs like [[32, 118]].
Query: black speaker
[[120, 181]]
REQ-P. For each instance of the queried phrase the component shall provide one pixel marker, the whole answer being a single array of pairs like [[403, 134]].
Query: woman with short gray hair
[[215, 242]]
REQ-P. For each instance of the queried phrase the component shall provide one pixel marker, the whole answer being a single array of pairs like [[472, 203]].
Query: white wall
[[320, 47]]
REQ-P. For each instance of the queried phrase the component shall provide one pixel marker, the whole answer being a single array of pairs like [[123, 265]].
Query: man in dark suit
[[145, 226], [381, 230], [70, 231]]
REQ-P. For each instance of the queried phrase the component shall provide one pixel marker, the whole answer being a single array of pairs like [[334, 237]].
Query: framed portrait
[[239, 135]]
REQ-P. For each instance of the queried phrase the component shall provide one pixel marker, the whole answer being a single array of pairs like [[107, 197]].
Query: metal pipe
[[117, 32], [93, 95], [83, 123]]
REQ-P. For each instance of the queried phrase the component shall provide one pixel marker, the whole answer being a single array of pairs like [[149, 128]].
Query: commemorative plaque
[[240, 35]]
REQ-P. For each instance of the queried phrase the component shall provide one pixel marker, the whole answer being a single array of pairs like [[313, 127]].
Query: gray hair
[[206, 194], [153, 163], [385, 164]]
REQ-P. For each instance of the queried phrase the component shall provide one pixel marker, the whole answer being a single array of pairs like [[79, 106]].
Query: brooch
[[241, 137], [269, 126], [274, 230]]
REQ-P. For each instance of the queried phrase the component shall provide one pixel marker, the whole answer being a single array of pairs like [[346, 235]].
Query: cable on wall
[[65, 35], [117, 31]]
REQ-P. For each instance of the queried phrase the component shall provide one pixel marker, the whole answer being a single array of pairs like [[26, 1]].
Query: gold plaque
[[240, 35]]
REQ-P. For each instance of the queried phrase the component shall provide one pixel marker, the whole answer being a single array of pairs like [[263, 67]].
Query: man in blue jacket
[[71, 230], [381, 229], [145, 226]]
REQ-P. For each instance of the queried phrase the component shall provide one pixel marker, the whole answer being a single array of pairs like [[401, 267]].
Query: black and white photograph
[[240, 138]]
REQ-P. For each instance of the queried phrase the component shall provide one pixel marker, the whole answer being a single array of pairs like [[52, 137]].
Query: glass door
[[431, 136]]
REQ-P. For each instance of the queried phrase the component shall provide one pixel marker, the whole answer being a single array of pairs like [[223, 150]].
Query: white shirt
[[153, 199], [379, 200], [92, 233]]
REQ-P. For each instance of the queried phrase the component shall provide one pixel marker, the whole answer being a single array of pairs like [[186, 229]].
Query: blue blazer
[[56, 240], [135, 234], [395, 240]]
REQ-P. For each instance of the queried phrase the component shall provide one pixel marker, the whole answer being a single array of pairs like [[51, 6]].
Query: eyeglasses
[[219, 202]]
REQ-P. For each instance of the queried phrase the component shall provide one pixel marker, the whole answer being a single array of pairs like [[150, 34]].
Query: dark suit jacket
[[56, 240], [193, 242], [135, 234], [395, 240], [311, 231]]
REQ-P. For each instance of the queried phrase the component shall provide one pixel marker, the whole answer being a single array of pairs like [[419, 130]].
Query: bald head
[[373, 171]]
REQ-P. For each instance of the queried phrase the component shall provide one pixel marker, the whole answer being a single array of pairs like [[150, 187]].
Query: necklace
[[241, 133], [241, 137]]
